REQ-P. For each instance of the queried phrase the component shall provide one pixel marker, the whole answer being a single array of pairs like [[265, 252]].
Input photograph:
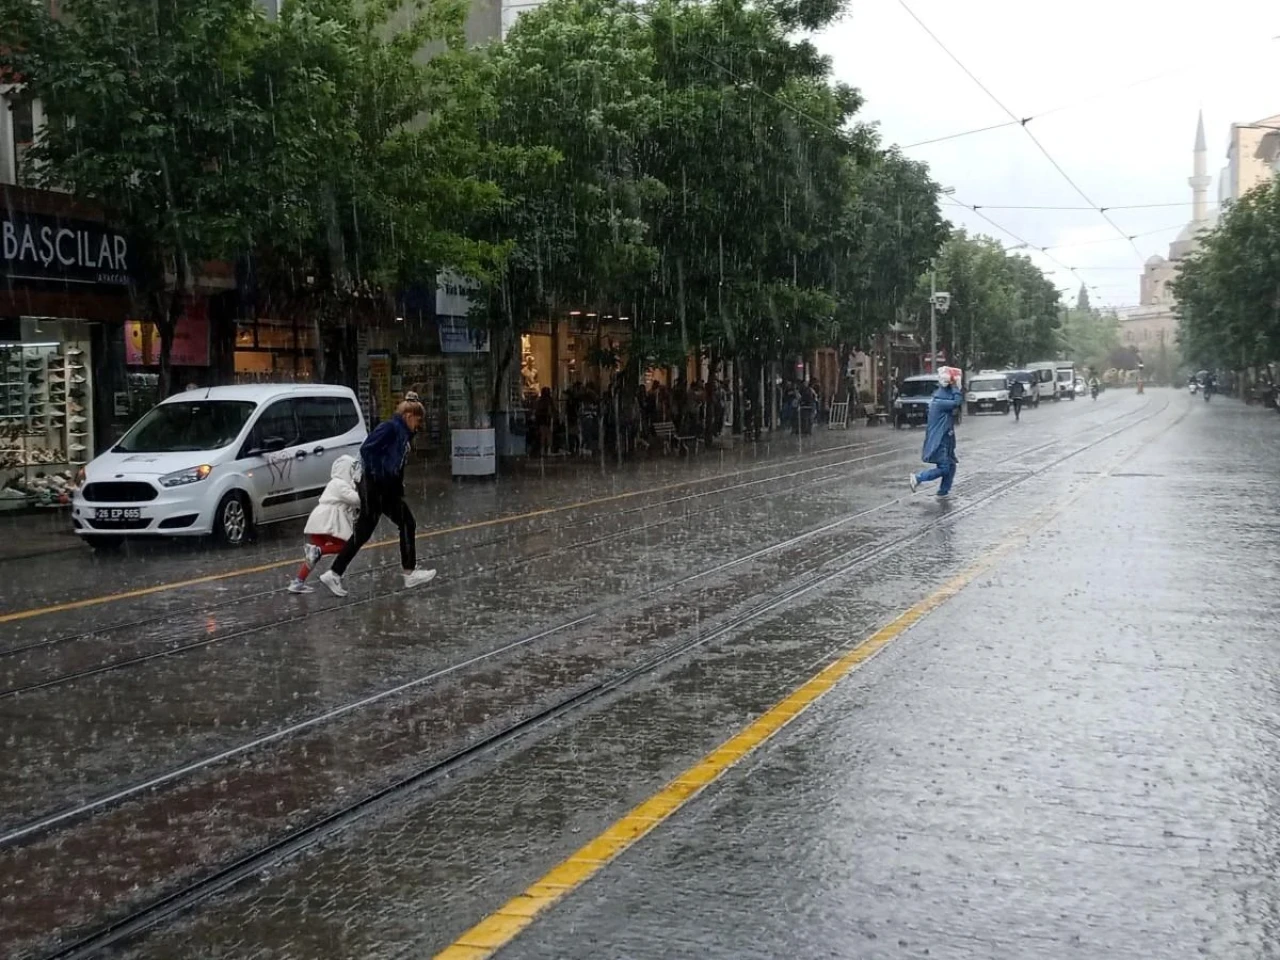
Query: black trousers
[[379, 500]]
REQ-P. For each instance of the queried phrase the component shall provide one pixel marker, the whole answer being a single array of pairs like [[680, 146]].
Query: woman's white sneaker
[[334, 583], [298, 586], [418, 577]]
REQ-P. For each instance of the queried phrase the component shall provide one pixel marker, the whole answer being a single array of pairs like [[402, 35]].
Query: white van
[[987, 391], [1046, 373], [218, 461], [1066, 377]]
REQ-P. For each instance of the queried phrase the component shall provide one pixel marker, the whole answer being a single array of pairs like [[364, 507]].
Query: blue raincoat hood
[[940, 431]]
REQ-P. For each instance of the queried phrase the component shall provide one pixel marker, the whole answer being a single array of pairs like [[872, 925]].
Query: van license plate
[[117, 514]]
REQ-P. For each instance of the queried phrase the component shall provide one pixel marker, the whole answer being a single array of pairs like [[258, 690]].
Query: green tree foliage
[[890, 229], [1228, 292], [321, 145], [1089, 337], [152, 112], [708, 181], [1003, 309]]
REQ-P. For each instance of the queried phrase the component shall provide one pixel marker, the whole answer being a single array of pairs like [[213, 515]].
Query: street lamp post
[[938, 301]]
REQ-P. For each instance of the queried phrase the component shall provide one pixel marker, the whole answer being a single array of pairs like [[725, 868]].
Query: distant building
[[1153, 322], [1253, 157]]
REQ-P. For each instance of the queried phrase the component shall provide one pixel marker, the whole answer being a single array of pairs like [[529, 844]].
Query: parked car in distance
[[988, 392], [1066, 378], [218, 461], [1045, 372], [911, 407]]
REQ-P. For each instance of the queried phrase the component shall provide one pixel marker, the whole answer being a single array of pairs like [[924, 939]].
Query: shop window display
[[45, 423]]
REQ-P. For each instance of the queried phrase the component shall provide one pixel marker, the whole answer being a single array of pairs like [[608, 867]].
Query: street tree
[[890, 229], [151, 111], [754, 150], [1003, 309], [381, 168], [574, 106], [1228, 292]]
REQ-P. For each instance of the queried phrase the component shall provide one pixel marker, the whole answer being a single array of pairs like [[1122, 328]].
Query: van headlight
[[897, 404], [972, 397], [184, 477]]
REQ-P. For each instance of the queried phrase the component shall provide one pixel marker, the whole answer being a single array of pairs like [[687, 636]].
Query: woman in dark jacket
[[384, 454]]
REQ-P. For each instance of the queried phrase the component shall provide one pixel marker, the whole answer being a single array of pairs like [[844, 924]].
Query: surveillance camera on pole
[[939, 301]]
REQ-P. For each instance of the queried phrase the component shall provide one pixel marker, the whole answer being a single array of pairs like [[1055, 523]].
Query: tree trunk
[[168, 309]]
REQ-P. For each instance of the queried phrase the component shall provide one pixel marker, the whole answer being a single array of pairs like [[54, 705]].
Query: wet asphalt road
[[1073, 754]]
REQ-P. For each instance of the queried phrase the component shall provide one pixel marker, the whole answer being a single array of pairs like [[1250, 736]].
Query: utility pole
[[939, 300], [933, 321]]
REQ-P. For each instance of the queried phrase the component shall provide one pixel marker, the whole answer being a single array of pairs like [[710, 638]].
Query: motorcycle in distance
[[1093, 391], [1193, 387]]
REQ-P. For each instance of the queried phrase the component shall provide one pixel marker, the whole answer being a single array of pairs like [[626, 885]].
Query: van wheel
[[233, 520], [1005, 411]]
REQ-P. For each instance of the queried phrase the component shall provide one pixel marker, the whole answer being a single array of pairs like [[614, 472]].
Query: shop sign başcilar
[[37, 247]]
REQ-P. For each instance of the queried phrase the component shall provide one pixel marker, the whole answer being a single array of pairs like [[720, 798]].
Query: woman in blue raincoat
[[940, 434]]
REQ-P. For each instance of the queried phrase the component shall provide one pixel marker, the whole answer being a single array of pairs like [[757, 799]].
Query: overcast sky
[[1122, 136]]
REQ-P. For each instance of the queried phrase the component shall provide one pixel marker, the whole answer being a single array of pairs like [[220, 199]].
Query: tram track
[[136, 921], [98, 635], [49, 821], [150, 619], [175, 649]]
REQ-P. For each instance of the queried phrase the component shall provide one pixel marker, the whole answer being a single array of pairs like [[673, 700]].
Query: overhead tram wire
[[1022, 122], [1024, 242], [823, 125], [1123, 206]]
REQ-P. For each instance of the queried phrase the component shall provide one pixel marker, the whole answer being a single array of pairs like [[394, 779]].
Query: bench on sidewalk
[[876, 416]]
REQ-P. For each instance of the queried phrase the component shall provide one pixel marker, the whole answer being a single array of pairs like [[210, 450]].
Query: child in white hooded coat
[[332, 523]]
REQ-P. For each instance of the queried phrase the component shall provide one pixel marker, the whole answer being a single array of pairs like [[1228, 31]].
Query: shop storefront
[[271, 350], [65, 282]]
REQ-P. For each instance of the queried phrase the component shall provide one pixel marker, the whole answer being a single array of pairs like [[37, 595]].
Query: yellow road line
[[106, 598], [506, 923]]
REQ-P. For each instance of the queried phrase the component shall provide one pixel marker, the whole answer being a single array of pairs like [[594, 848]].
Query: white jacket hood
[[335, 514], [348, 469]]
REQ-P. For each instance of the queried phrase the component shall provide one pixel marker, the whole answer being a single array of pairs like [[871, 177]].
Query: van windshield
[[988, 385], [917, 388], [187, 427]]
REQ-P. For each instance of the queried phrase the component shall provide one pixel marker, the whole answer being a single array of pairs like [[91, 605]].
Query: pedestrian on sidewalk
[[940, 434], [383, 456], [333, 521], [1016, 394]]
